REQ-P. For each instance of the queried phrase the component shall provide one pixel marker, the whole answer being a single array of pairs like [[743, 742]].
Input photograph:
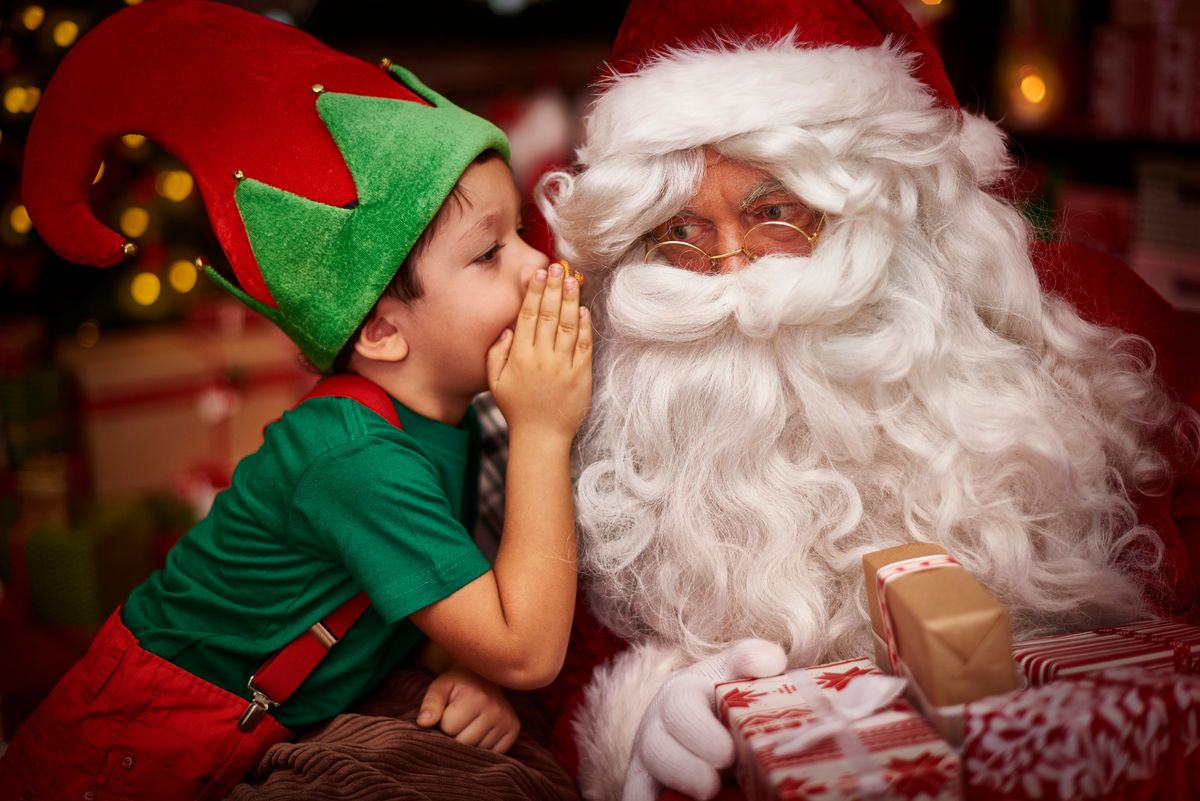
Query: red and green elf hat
[[319, 171]]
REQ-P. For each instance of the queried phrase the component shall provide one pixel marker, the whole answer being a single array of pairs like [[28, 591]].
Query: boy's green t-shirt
[[335, 501]]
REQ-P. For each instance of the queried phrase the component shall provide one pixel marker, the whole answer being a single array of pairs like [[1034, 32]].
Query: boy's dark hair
[[405, 285]]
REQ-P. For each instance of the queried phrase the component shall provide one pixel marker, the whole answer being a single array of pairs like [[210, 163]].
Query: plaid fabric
[[493, 463]]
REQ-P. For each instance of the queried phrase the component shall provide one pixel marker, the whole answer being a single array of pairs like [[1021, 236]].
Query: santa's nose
[[733, 262], [730, 257]]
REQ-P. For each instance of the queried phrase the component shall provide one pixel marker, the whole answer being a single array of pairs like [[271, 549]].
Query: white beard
[[754, 434]]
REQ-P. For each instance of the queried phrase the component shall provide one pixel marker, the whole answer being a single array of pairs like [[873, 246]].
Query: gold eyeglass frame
[[712, 260]]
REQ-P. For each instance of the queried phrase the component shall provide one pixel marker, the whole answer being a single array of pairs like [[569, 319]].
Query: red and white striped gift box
[[1155, 645], [907, 758]]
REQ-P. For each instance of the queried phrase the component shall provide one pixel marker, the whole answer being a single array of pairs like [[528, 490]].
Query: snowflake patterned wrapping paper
[[1156, 645], [1123, 733], [892, 750]]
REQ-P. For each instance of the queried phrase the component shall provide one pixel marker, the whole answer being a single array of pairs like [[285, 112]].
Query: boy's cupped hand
[[470, 709], [541, 373]]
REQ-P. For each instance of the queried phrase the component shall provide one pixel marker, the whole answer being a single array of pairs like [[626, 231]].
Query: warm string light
[[174, 185], [21, 99], [182, 276], [1033, 88], [65, 33], [145, 288], [32, 17], [134, 221], [18, 218]]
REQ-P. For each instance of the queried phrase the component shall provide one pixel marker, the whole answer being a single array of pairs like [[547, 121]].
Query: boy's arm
[[511, 625]]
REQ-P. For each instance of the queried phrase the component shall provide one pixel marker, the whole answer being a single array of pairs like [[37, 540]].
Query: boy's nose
[[531, 262]]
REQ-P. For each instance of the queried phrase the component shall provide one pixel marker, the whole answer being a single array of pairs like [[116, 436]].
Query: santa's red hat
[[685, 74]]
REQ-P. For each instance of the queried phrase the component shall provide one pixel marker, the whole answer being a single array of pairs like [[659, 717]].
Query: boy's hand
[[470, 709], [541, 373]]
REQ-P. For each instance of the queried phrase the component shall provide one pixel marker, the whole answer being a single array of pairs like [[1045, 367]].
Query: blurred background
[[128, 394]]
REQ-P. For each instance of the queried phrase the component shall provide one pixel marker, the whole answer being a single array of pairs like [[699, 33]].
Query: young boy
[[344, 538]]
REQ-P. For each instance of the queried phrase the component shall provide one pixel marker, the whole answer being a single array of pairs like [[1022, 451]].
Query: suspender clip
[[258, 707]]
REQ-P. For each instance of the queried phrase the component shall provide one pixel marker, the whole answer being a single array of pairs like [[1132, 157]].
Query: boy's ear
[[381, 338]]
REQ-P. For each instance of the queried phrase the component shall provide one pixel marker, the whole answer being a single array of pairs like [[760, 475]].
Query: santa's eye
[[792, 212], [681, 230]]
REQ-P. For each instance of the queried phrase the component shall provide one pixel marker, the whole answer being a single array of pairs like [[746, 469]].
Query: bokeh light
[[182, 276], [134, 221], [1033, 87], [18, 218], [65, 33], [32, 17], [88, 334], [145, 289], [174, 184]]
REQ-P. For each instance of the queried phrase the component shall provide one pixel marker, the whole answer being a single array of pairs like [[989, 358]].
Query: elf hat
[[319, 171], [685, 74]]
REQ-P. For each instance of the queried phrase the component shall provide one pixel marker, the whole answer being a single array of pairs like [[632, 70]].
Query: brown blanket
[[376, 752]]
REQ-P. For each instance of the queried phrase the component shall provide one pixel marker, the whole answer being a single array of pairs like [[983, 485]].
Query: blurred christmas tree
[[138, 189]]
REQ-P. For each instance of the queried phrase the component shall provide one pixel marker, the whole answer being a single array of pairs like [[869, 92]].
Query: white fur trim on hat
[[687, 98]]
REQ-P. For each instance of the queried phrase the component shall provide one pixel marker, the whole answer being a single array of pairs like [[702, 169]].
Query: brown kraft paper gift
[[952, 637]]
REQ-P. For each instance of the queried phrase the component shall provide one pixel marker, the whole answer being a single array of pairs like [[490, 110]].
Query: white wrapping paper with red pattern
[[907, 758], [1156, 645], [1122, 733]]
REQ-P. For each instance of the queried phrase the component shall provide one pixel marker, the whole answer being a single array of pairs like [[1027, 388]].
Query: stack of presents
[[109, 451], [949, 707]]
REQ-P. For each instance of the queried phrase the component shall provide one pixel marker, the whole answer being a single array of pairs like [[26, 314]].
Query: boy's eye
[[489, 255]]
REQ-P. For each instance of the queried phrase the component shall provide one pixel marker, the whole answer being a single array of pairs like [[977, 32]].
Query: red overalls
[[126, 724]]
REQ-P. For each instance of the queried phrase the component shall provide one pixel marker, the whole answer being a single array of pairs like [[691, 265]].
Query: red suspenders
[[284, 672]]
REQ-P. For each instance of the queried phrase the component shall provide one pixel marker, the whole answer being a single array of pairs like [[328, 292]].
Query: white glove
[[680, 742]]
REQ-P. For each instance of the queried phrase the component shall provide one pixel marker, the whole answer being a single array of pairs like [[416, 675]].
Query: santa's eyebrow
[[765, 188]]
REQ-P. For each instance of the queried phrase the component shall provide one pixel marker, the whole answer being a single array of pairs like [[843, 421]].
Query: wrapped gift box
[[1154, 645], [1122, 733], [890, 748], [36, 496], [156, 403], [80, 573], [33, 413], [938, 627], [1144, 82]]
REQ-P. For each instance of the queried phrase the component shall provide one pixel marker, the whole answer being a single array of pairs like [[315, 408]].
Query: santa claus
[[826, 332]]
